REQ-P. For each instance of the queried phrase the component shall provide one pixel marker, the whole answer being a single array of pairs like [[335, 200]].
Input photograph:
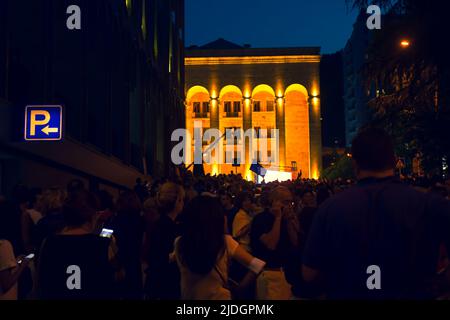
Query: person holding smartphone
[[77, 245], [10, 270]]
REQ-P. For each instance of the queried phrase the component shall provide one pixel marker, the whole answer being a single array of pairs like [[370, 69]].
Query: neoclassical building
[[231, 86]]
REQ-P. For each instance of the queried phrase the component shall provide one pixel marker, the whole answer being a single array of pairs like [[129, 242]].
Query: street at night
[[195, 151]]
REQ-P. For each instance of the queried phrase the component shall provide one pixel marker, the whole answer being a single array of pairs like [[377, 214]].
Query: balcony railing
[[233, 114], [199, 115]]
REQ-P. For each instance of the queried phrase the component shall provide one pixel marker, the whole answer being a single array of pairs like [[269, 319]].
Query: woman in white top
[[204, 252]]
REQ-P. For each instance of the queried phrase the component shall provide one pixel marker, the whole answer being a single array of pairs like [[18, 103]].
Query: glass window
[[197, 107], [227, 106], [205, 107], [270, 104], [236, 106], [257, 106]]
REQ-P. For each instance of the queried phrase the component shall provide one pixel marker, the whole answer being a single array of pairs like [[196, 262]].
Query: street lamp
[[405, 43]]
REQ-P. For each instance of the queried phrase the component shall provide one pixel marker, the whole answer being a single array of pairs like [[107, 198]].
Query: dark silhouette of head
[[373, 151], [202, 241], [128, 203], [75, 185], [80, 208], [244, 200]]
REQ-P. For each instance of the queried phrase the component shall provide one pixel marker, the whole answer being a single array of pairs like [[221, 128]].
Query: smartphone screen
[[30, 256], [106, 233]]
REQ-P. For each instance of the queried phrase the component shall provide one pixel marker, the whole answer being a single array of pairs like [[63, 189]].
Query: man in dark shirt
[[379, 239], [273, 234], [230, 209], [163, 280]]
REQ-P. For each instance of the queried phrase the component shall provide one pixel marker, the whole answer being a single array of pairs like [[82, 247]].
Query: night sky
[[270, 23]]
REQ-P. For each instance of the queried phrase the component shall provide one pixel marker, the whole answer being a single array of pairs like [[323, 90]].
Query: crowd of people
[[222, 237]]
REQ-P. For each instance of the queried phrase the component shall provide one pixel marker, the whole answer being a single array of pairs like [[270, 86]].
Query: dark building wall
[[115, 90], [3, 49], [331, 93], [357, 113]]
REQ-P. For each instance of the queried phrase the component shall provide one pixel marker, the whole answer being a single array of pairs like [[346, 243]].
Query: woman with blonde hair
[[162, 273]]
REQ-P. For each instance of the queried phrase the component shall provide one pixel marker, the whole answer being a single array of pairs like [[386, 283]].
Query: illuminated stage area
[[234, 87], [273, 175]]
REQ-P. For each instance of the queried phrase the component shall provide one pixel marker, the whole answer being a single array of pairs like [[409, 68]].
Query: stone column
[[315, 124], [247, 124], [214, 117], [280, 125]]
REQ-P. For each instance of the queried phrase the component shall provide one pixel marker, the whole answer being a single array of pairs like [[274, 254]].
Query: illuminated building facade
[[229, 86]]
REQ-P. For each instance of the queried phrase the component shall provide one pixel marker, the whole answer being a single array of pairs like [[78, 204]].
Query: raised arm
[[271, 239]]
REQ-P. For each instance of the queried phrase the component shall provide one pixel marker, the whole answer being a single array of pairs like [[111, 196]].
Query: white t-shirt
[[7, 261]]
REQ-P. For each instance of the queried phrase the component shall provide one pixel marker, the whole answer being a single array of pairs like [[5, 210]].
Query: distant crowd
[[222, 237]]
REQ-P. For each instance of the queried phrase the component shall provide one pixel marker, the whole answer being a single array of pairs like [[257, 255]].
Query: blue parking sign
[[43, 123]]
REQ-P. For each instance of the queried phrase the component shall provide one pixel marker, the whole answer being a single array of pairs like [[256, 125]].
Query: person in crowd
[[189, 191], [77, 263], [129, 225], [323, 193], [11, 268], [11, 215], [105, 211], [274, 233], [75, 185], [379, 239], [243, 219], [141, 190], [163, 279], [49, 204], [226, 200], [203, 253], [241, 233], [30, 219], [151, 216], [308, 209]]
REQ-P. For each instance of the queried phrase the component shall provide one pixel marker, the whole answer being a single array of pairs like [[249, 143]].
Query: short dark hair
[[75, 185], [242, 196], [80, 207], [373, 150]]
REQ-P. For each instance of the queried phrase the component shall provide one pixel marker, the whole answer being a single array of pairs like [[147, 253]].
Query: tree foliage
[[343, 168], [411, 96]]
